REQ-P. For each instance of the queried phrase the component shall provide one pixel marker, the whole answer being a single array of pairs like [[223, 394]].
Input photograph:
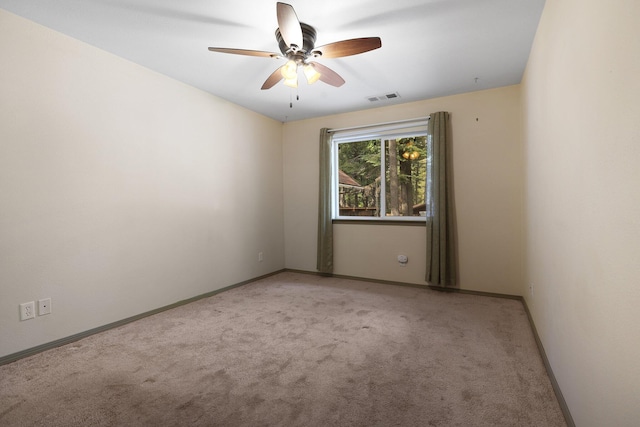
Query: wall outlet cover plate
[[27, 310], [44, 306]]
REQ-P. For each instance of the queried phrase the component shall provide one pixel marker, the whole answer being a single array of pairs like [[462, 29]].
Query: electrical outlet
[[44, 306], [531, 289], [27, 310], [260, 257]]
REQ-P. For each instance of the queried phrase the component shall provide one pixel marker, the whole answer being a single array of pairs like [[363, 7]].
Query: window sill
[[406, 221]]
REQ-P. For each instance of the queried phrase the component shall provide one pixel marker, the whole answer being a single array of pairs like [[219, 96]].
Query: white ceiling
[[430, 48]]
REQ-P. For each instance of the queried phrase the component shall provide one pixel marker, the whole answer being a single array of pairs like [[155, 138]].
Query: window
[[381, 173]]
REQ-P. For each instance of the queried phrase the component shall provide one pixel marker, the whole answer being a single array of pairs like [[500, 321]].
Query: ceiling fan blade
[[289, 25], [349, 47], [327, 75], [245, 52], [273, 79]]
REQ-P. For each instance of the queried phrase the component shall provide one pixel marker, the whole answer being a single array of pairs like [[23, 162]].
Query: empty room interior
[[126, 189]]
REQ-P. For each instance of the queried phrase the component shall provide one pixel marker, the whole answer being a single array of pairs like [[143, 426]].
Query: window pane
[[406, 163], [359, 178]]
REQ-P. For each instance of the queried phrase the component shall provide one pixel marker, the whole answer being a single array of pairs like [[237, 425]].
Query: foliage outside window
[[382, 177]]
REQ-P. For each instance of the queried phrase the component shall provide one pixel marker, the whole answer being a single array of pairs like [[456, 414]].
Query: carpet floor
[[296, 350]]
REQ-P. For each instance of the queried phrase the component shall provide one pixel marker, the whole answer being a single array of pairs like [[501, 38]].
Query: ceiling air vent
[[385, 97]]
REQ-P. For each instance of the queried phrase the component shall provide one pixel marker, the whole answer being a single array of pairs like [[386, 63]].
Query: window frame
[[383, 134]]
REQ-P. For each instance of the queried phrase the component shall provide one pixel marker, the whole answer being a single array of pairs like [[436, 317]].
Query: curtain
[[325, 226], [441, 245]]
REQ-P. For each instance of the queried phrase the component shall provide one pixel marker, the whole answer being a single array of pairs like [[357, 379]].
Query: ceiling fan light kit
[[292, 83], [310, 73], [289, 70], [296, 41]]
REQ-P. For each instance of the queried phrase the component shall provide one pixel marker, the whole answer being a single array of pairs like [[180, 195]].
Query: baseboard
[[405, 284], [554, 383], [67, 340]]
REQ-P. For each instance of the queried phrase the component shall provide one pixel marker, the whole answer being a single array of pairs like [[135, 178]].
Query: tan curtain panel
[[441, 243]]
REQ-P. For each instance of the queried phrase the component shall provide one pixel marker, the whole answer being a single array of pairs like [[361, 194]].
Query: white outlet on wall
[[260, 256], [27, 310], [531, 289]]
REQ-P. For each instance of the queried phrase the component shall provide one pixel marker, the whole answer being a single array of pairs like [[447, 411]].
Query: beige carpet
[[296, 350]]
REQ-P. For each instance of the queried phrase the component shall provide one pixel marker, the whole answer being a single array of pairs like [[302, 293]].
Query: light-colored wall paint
[[488, 164], [119, 194], [122, 190], [582, 124]]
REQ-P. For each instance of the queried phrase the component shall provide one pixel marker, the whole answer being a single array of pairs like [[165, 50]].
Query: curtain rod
[[418, 119]]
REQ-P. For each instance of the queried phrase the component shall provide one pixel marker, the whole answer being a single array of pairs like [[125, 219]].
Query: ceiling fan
[[296, 41]]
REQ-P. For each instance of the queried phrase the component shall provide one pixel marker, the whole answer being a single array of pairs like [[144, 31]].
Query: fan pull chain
[[291, 97]]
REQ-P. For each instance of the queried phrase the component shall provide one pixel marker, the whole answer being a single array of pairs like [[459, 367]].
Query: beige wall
[[122, 190], [582, 125], [119, 194], [488, 188]]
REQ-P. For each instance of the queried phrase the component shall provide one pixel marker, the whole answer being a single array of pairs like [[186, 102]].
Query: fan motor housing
[[308, 40]]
